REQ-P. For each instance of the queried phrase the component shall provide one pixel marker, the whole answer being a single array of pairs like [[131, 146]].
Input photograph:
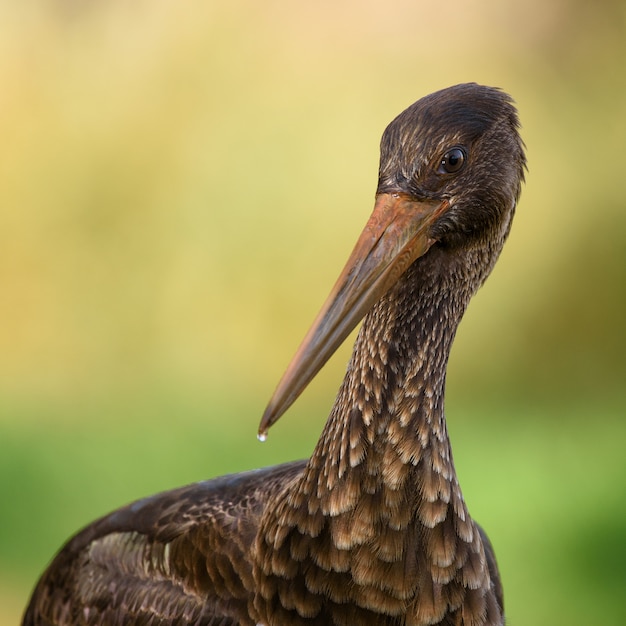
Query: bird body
[[373, 528]]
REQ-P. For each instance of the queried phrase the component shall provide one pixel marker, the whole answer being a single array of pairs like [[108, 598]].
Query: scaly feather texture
[[373, 528]]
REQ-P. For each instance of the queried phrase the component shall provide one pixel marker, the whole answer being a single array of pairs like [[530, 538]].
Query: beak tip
[[266, 422]]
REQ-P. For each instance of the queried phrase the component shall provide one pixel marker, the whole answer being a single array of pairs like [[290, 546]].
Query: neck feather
[[388, 421], [377, 522]]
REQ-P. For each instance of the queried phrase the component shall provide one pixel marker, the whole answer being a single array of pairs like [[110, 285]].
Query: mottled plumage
[[373, 528]]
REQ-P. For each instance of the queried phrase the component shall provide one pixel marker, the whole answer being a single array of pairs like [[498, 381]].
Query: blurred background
[[180, 184]]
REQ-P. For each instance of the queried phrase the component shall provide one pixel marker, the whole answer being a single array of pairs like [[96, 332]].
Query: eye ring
[[452, 161]]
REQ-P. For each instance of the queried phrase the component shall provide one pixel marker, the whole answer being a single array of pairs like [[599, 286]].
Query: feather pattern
[[373, 529]]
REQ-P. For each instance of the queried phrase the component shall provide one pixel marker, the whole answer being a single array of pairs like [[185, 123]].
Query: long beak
[[395, 235]]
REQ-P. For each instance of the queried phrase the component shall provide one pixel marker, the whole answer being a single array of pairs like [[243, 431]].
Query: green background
[[180, 184]]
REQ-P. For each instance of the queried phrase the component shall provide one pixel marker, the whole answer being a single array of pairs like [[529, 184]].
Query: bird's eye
[[452, 161]]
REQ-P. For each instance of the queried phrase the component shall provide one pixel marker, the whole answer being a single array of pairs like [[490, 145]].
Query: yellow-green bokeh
[[180, 184]]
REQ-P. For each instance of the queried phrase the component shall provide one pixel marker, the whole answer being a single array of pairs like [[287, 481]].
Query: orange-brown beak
[[395, 235]]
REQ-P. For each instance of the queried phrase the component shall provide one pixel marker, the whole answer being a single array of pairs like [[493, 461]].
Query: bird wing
[[180, 557]]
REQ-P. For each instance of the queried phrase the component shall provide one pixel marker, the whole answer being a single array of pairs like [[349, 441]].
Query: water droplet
[[262, 436]]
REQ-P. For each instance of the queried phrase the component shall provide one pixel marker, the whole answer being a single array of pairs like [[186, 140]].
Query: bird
[[373, 528]]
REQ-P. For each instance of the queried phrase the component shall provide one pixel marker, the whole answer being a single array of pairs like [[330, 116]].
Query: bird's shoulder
[[181, 556]]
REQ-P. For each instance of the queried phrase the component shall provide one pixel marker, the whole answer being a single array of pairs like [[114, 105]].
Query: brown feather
[[373, 529]]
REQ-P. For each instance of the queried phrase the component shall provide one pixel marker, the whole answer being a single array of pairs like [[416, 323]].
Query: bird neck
[[377, 521], [387, 429]]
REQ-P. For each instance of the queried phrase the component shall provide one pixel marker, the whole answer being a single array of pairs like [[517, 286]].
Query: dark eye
[[452, 161]]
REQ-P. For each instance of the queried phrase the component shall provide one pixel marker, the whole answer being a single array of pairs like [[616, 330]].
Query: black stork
[[373, 528]]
